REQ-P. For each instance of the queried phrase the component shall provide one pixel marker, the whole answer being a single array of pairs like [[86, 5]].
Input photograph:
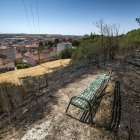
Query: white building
[[34, 59], [8, 52], [61, 46]]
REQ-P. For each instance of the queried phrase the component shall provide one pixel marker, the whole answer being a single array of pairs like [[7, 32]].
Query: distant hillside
[[131, 40], [134, 35]]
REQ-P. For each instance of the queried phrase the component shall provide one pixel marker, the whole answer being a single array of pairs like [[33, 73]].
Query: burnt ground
[[129, 77], [116, 116]]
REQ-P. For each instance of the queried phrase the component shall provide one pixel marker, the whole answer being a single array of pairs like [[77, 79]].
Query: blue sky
[[72, 17]]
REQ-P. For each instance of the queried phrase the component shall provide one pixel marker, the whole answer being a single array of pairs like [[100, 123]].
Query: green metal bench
[[91, 94]]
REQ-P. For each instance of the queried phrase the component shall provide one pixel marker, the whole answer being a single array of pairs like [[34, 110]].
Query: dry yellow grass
[[13, 76]]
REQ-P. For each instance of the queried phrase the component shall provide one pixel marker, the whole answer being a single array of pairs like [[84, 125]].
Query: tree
[[75, 43], [50, 43], [66, 53], [87, 49], [138, 20], [41, 43], [109, 39], [111, 33], [91, 35], [100, 24], [56, 41], [46, 43], [101, 47]]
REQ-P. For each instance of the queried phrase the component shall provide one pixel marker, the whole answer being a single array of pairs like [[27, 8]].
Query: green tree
[[138, 20], [75, 43], [56, 41], [50, 44], [66, 53]]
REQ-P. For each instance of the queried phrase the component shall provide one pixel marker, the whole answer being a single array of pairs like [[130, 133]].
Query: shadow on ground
[[22, 107]]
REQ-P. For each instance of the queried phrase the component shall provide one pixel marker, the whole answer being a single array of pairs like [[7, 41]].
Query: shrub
[[22, 66], [66, 53]]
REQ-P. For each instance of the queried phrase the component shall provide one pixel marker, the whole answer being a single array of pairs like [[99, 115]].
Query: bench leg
[[91, 115], [69, 104], [67, 107]]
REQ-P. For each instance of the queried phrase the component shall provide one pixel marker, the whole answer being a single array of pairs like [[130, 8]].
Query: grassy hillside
[[131, 40], [44, 68]]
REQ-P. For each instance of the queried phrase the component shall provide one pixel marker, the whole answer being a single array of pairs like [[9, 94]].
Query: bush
[[22, 66], [87, 49], [66, 53], [75, 43]]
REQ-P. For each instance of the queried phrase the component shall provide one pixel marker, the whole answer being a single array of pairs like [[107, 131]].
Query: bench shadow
[[116, 109]]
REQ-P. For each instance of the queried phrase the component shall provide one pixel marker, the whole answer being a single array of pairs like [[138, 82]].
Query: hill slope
[[44, 68]]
